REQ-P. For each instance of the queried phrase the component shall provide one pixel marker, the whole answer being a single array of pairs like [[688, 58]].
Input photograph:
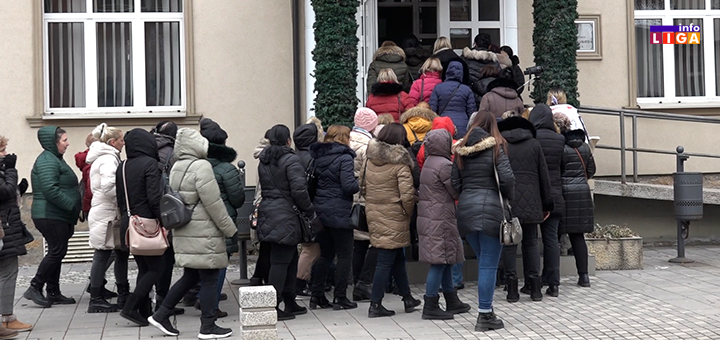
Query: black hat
[[212, 131]]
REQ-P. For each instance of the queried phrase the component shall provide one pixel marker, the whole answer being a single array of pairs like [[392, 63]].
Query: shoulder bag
[[145, 236], [582, 161], [510, 231], [448, 102], [358, 219]]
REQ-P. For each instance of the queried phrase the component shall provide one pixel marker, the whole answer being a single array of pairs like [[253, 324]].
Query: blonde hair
[[556, 96], [440, 43], [90, 139], [338, 133], [510, 113], [526, 114], [431, 65], [3, 142], [385, 118], [105, 133], [387, 75]]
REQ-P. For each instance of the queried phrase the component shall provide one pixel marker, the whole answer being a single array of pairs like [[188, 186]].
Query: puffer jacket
[[479, 208], [104, 214], [359, 139], [439, 123], [389, 195], [447, 56], [389, 98], [55, 186], [438, 234], [227, 177], [417, 122], [578, 166], [389, 57], [414, 58], [460, 106], [304, 136], [552, 144], [422, 88], [166, 145], [532, 183], [335, 173], [80, 162], [16, 234], [502, 96], [201, 243], [476, 60]]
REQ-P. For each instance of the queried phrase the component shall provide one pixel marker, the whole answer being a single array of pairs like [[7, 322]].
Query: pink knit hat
[[366, 118]]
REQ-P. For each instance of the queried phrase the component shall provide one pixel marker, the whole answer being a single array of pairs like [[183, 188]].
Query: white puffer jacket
[[104, 160]]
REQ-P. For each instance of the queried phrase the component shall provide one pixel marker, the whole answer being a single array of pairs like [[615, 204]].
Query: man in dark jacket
[[552, 144]]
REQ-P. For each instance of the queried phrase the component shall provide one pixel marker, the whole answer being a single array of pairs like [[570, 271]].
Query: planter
[[615, 254]]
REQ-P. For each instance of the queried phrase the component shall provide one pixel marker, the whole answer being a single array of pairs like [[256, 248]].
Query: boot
[[106, 293], [584, 280], [256, 281], [526, 287], [362, 291], [488, 321], [130, 310], [7, 334], [98, 304], [176, 311], [377, 310], [319, 302], [283, 315], [536, 289], [35, 295], [453, 303], [432, 310], [343, 303], [301, 288], [553, 291], [123, 294], [410, 303], [161, 320], [145, 307], [291, 305], [209, 330], [512, 289], [56, 298], [12, 323]]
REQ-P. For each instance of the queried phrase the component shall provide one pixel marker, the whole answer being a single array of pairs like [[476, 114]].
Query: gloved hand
[[10, 161], [23, 186]]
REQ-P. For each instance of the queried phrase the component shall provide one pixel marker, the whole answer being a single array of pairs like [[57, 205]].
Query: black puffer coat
[[166, 145], [283, 186], [448, 55], [304, 136], [532, 182], [479, 206], [16, 235], [579, 215], [552, 144], [334, 169]]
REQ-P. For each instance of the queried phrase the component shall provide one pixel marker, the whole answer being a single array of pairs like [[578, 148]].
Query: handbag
[[254, 215], [145, 236], [310, 226], [358, 219], [510, 231]]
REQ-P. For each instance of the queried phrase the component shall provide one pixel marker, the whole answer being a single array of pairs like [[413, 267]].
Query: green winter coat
[[201, 243], [231, 187], [54, 184]]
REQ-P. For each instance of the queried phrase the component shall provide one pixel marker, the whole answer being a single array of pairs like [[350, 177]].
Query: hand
[[10, 161], [546, 214], [23, 186]]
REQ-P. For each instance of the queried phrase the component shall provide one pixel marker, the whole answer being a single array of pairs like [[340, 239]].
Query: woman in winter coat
[[454, 99], [335, 174], [417, 122], [283, 187], [478, 159], [389, 55], [444, 52], [104, 216], [502, 96], [439, 123], [387, 96], [80, 162], [429, 77], [16, 236], [440, 242], [532, 203], [55, 209], [415, 56], [389, 201], [199, 245], [552, 144]]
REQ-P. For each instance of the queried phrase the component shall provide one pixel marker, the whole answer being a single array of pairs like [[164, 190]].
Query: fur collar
[[483, 145], [386, 89], [513, 123], [479, 55], [389, 53], [501, 82], [381, 153], [318, 124], [420, 112], [221, 152]]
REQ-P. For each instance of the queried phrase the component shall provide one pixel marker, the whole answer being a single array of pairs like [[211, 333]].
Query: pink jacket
[[430, 79]]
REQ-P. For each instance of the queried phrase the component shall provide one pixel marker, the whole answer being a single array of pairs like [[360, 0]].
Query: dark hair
[[411, 41], [489, 71], [508, 50], [494, 48], [58, 134], [485, 120], [393, 134], [278, 136], [483, 40]]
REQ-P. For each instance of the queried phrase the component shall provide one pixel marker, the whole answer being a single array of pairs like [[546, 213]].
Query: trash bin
[[688, 192], [243, 221]]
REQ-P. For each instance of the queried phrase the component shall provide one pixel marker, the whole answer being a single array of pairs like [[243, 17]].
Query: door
[[398, 19], [462, 20]]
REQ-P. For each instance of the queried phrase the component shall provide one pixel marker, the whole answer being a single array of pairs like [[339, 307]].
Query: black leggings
[[283, 269], [99, 267], [577, 240], [149, 269], [165, 278], [262, 267], [56, 234], [208, 290]]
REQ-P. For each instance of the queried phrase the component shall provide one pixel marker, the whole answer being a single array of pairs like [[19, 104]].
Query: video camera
[[534, 70]]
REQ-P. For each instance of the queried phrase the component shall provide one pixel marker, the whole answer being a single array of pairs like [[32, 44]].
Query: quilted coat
[[201, 243], [55, 186], [389, 57], [227, 177], [438, 235], [439, 123], [80, 162], [532, 182], [335, 173], [414, 58], [447, 56], [389, 195], [502, 96], [552, 144], [16, 234], [104, 213], [389, 98], [579, 215], [417, 122], [479, 208], [165, 145], [476, 60], [422, 88], [460, 106]]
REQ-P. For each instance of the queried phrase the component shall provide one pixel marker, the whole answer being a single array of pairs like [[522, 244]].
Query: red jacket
[[438, 123], [85, 168], [429, 79], [384, 99]]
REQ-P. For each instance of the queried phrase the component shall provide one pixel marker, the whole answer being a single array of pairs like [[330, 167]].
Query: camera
[[536, 70]]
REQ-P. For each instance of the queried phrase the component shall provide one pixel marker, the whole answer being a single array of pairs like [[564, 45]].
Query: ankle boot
[[488, 321], [7, 333], [362, 291], [291, 305], [98, 304], [536, 289], [145, 307], [209, 330], [35, 294], [130, 310], [584, 280], [301, 287], [283, 315], [453, 304], [319, 302], [377, 310], [410, 303], [432, 311], [512, 290], [123, 294], [343, 303], [161, 320], [553, 291]]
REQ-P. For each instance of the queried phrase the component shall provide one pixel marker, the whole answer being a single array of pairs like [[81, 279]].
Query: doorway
[[398, 19]]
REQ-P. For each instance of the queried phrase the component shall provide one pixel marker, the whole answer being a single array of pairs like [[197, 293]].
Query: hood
[[504, 60], [260, 147], [444, 123], [98, 149], [418, 119], [381, 153], [139, 142], [516, 129], [415, 56], [503, 85], [481, 55], [438, 143], [164, 141], [478, 140], [325, 153], [574, 138], [386, 89], [454, 72], [430, 75], [190, 144], [541, 117], [221, 153], [80, 158], [390, 54], [46, 137], [305, 135]]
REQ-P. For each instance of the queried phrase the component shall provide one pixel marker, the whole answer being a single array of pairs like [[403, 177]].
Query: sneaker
[[36, 296], [164, 326], [216, 333], [15, 324]]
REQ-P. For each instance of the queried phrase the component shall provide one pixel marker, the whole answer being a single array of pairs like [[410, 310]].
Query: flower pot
[[616, 254]]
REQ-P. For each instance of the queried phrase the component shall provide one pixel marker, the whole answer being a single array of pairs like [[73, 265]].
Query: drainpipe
[[309, 62], [296, 64]]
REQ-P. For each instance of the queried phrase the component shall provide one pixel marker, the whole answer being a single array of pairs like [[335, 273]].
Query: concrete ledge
[[257, 297], [256, 317], [648, 191]]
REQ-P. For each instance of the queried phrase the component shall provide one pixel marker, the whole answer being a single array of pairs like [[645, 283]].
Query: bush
[[611, 231]]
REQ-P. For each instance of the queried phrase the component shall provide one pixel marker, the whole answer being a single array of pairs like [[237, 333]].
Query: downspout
[[296, 64]]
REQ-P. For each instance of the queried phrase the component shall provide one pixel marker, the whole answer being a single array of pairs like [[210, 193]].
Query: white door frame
[[507, 24]]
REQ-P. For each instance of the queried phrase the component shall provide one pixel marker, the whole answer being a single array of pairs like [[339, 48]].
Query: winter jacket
[[335, 173], [480, 87], [443, 123], [417, 122], [552, 144], [502, 96], [389, 195], [80, 162], [16, 234], [459, 106], [438, 234], [476, 60], [479, 208], [201, 243], [414, 58], [304, 136], [104, 214], [532, 182], [448, 55], [55, 186], [165, 145], [359, 139], [389, 57], [579, 215], [231, 187], [389, 98], [422, 88]]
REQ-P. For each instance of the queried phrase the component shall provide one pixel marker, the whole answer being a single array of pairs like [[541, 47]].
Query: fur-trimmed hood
[[221, 153], [418, 112], [390, 54], [478, 140], [260, 147], [504, 61], [381, 153], [318, 125], [516, 129], [481, 55], [502, 82], [574, 138], [386, 89]]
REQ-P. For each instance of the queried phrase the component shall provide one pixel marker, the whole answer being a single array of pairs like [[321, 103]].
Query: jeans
[[390, 261], [457, 274], [207, 278], [551, 251], [333, 242], [8, 281], [487, 249], [262, 267], [580, 251], [99, 267], [360, 249], [530, 255], [283, 269], [162, 286], [439, 274], [56, 235]]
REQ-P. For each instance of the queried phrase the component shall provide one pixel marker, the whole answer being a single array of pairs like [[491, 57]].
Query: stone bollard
[[258, 317]]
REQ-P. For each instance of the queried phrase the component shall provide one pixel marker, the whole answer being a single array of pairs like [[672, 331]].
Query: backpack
[[311, 179], [173, 211], [415, 146]]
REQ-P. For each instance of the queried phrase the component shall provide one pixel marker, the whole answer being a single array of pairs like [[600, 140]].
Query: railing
[[622, 114]]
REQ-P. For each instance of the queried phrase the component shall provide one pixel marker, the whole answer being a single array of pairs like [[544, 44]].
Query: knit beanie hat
[[366, 118], [212, 131]]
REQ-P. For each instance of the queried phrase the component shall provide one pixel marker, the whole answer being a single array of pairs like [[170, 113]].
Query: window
[[113, 56]]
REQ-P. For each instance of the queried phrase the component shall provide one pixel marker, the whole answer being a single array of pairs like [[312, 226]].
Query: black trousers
[[99, 267], [333, 242], [262, 267], [149, 269], [530, 255], [367, 275], [162, 286], [360, 249], [56, 234], [283, 269], [580, 251], [208, 290]]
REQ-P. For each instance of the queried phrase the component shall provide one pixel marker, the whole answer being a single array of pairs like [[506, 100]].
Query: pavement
[[662, 301]]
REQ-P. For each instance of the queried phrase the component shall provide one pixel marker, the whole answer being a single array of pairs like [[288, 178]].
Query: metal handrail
[[634, 115]]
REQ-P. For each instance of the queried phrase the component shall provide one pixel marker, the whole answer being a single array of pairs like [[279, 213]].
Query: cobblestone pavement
[[663, 301]]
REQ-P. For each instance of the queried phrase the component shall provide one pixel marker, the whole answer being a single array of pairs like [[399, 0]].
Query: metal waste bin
[[688, 192]]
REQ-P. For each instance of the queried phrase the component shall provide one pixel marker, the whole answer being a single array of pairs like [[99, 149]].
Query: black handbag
[[358, 219]]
